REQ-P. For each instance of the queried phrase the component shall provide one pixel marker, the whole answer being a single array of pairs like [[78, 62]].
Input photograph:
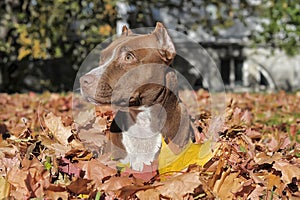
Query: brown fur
[[128, 52]]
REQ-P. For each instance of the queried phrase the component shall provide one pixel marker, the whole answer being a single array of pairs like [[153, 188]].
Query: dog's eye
[[129, 57]]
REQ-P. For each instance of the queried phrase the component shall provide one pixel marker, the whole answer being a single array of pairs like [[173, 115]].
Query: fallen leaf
[[247, 117], [16, 177], [253, 134], [57, 195], [179, 186], [30, 180], [80, 186], [149, 194], [20, 131], [198, 154], [59, 131], [247, 188], [272, 180], [94, 135], [263, 158], [116, 183], [96, 171], [69, 168], [37, 178], [257, 193], [55, 191], [272, 144], [7, 150], [229, 184], [85, 116], [288, 171], [62, 134], [4, 188]]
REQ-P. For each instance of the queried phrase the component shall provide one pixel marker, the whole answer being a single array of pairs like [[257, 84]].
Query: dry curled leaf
[[288, 171], [58, 130], [229, 184], [179, 186], [96, 171], [62, 134]]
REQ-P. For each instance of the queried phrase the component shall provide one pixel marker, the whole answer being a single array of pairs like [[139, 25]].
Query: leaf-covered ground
[[45, 155]]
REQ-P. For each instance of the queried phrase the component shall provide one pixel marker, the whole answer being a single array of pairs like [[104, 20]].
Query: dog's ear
[[165, 45], [180, 133], [126, 31]]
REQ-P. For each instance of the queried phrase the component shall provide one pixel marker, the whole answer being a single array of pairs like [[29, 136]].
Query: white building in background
[[242, 68]]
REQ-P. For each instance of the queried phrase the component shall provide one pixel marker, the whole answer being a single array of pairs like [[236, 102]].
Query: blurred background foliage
[[43, 42], [280, 21], [36, 35]]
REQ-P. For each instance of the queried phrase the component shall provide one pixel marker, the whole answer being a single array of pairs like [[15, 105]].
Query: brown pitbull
[[134, 76]]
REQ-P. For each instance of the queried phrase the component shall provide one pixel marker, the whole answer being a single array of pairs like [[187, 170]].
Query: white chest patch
[[140, 142]]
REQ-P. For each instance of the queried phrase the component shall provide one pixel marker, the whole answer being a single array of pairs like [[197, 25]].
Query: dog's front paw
[[137, 161], [140, 151]]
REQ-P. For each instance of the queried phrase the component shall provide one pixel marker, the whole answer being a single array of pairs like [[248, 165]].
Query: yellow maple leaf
[[198, 154]]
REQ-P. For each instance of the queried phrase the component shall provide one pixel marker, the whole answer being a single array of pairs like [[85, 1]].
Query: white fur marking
[[140, 142]]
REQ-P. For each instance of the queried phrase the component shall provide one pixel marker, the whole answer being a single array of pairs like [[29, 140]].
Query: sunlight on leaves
[[198, 154]]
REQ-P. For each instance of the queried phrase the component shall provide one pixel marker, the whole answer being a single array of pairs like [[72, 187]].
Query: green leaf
[[47, 163], [98, 196], [243, 149]]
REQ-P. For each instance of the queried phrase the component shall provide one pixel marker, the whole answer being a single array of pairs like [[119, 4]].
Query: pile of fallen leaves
[[44, 154]]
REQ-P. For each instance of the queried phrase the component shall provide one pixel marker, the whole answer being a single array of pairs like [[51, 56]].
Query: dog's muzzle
[[95, 91]]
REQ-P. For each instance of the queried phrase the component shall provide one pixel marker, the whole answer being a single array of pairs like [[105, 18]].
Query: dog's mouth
[[96, 101], [101, 97], [133, 101]]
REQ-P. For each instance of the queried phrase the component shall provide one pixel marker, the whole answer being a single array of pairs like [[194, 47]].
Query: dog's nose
[[87, 80]]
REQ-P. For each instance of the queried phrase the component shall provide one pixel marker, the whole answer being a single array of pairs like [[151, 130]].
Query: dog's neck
[[144, 127], [177, 121]]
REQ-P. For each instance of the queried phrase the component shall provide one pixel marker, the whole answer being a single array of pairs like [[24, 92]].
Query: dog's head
[[127, 53]]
